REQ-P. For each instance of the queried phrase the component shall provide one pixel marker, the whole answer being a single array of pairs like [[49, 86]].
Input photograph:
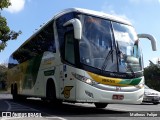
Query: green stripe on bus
[[134, 81]]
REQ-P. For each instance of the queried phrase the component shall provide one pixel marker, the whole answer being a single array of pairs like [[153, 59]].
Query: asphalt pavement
[[39, 110]]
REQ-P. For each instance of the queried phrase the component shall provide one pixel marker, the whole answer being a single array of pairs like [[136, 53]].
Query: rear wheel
[[12, 89], [51, 93], [15, 92], [100, 105]]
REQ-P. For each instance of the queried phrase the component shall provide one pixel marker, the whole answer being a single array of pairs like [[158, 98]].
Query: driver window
[[85, 52], [69, 47]]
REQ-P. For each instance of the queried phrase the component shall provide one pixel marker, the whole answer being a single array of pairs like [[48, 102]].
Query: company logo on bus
[[118, 88]]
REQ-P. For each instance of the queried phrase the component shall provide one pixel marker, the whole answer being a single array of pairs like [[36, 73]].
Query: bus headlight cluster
[[84, 79], [89, 81], [141, 85]]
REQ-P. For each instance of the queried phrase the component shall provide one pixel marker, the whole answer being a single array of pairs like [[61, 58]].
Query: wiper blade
[[132, 72], [120, 55], [106, 59], [129, 68]]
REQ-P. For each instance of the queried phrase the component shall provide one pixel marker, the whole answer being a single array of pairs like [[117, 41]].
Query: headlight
[[147, 93], [89, 81], [141, 85], [84, 79]]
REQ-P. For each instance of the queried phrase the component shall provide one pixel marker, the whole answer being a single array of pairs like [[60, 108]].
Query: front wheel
[[100, 105], [156, 103]]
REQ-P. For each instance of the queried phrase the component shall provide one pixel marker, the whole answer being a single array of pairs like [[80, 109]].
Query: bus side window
[[46, 39], [69, 47]]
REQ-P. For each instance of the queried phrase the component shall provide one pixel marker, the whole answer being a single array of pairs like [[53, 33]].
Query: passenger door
[[68, 85]]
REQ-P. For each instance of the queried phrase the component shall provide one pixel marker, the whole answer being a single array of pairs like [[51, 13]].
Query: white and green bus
[[80, 56]]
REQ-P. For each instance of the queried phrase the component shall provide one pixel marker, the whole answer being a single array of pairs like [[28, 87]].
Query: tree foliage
[[5, 32], [3, 76], [152, 76], [4, 4]]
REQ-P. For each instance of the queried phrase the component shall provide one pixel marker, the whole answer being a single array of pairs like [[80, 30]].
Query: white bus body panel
[[104, 96]]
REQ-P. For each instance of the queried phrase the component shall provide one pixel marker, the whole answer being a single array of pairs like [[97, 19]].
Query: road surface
[[36, 109]]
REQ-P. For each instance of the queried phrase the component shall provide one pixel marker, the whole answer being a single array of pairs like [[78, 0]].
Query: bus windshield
[[109, 46]]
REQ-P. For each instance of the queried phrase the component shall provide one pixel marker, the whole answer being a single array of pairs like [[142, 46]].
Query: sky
[[28, 15]]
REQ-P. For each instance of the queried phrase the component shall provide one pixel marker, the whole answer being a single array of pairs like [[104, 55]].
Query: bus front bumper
[[90, 94]]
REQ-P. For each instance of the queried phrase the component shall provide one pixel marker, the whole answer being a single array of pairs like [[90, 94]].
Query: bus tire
[[100, 105], [21, 97], [12, 89], [15, 92], [155, 103], [51, 93]]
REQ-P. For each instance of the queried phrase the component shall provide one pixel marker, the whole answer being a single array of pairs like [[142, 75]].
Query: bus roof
[[94, 13], [80, 10]]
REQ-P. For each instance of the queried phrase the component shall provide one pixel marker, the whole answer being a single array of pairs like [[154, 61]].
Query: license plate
[[118, 97]]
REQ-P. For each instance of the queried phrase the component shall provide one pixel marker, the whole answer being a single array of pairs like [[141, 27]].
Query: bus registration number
[[118, 97]]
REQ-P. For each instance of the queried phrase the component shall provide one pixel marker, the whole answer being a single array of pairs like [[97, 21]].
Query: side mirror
[[77, 27], [151, 38]]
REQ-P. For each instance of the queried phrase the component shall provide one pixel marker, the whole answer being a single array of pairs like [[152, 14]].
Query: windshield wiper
[[119, 53], [106, 59]]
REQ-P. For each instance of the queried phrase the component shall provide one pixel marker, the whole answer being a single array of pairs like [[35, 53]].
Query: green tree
[[152, 76], [3, 76], [5, 32]]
